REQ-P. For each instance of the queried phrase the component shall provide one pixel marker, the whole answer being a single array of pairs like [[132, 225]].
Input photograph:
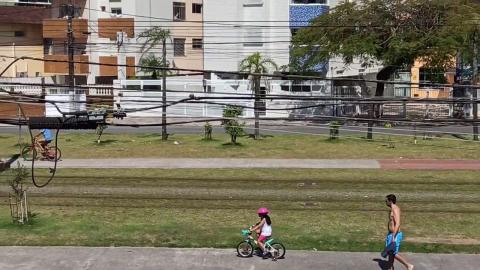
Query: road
[[109, 258]]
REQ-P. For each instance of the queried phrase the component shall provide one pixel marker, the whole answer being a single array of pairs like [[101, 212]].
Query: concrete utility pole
[[70, 49], [474, 82], [164, 92]]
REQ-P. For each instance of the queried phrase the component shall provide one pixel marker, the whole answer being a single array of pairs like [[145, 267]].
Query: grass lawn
[[311, 209], [75, 145]]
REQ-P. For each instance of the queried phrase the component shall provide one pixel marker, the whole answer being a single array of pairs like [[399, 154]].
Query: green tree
[[257, 64], [231, 124], [153, 37], [394, 33], [150, 62]]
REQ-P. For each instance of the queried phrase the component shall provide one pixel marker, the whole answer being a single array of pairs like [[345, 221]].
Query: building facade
[[21, 35]]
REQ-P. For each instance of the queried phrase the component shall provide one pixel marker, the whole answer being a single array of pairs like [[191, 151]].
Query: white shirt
[[266, 229]]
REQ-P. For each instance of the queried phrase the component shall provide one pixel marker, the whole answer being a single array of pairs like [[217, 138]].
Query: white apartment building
[[235, 29]]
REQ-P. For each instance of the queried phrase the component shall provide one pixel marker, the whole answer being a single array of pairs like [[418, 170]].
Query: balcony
[[62, 67], [57, 29]]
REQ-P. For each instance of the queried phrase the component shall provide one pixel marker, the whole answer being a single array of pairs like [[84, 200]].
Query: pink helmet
[[262, 211]]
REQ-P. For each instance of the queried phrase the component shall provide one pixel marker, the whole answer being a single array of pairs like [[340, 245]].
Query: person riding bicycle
[[44, 138], [265, 228]]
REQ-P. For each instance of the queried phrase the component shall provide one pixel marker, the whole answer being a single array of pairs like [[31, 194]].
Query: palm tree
[[149, 62], [257, 64], [153, 37]]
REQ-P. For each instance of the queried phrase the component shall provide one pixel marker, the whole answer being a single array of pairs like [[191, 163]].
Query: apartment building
[[106, 31], [21, 35]]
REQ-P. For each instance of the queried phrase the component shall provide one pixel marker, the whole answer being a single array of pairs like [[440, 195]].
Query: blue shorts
[[393, 248]]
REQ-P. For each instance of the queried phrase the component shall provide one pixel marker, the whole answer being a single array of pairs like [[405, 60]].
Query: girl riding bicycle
[[264, 227]]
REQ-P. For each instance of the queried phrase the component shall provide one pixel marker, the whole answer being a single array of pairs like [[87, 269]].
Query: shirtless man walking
[[395, 236]]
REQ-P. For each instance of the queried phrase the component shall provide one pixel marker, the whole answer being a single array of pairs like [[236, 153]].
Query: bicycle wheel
[[27, 152], [245, 249], [279, 250], [51, 153]]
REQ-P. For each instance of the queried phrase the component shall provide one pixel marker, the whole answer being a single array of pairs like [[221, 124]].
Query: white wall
[[228, 56]]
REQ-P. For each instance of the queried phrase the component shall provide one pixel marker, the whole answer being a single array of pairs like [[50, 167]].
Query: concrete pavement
[[223, 163], [211, 163], [83, 258]]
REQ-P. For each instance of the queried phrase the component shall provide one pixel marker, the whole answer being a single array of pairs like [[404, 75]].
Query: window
[[179, 47], [197, 8], [323, 2], [115, 1], [178, 11], [197, 43], [19, 34], [253, 37], [102, 8], [117, 11]]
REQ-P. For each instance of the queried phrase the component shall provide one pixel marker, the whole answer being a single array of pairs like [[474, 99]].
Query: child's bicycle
[[50, 153], [248, 245]]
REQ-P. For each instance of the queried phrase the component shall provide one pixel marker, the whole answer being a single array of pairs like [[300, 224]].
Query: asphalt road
[[83, 258]]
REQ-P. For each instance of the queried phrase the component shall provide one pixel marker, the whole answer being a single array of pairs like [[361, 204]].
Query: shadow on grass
[[105, 142], [383, 264], [208, 140], [230, 144], [151, 135]]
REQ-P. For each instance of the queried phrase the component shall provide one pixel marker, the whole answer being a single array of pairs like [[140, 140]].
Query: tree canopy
[[392, 32]]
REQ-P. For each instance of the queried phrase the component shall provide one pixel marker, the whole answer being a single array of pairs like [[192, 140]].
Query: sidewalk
[[80, 258], [224, 163]]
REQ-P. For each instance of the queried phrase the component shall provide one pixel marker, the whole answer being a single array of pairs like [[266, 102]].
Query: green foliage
[[153, 36], [231, 124], [208, 131], [16, 183], [334, 129], [395, 33], [150, 62], [99, 131]]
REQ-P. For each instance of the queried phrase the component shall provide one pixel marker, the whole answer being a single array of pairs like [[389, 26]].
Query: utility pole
[[164, 92], [256, 109], [474, 82], [70, 49]]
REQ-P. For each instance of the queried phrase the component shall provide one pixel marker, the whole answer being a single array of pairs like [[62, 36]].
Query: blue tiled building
[[302, 12]]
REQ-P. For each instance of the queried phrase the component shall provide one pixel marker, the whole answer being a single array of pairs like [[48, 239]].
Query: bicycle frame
[[249, 238]]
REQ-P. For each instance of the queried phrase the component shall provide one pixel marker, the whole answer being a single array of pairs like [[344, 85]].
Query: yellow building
[[419, 74], [21, 35]]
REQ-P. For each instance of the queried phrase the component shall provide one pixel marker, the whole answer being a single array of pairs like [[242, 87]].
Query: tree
[[395, 33], [232, 126], [153, 37], [150, 62], [257, 64]]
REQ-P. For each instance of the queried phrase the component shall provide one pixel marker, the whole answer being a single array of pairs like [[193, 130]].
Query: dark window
[[197, 8], [179, 47], [19, 34], [178, 11], [197, 43], [431, 76], [117, 11]]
